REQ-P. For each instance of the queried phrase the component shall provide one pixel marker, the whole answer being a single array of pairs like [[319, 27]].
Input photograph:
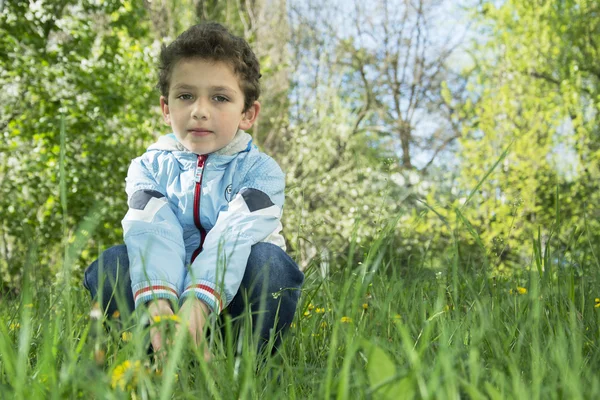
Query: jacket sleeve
[[153, 236], [252, 215]]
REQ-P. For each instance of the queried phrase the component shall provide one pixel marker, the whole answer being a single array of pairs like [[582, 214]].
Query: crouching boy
[[202, 233]]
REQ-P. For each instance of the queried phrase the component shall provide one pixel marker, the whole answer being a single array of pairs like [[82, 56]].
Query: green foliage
[[335, 180], [89, 65], [370, 331], [537, 83]]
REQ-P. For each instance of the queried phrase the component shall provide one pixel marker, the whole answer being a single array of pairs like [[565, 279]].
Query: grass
[[373, 330]]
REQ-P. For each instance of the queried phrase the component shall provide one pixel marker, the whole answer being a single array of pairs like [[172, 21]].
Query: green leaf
[[383, 378]]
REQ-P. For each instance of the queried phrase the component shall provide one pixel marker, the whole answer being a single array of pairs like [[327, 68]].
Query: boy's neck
[[240, 142]]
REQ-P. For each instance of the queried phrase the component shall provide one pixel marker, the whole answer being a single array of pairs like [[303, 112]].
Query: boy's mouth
[[199, 132]]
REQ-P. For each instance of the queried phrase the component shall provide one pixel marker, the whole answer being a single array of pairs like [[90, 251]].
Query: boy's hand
[[195, 312], [158, 308]]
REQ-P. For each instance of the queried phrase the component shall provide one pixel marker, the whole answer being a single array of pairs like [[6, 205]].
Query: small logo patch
[[228, 193]]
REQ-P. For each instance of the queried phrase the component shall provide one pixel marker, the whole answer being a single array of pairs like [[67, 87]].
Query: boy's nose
[[200, 110]]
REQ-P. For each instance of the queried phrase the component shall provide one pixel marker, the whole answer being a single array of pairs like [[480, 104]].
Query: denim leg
[[271, 284], [115, 280]]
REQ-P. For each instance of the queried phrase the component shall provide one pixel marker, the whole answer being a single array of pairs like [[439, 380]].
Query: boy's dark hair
[[212, 41]]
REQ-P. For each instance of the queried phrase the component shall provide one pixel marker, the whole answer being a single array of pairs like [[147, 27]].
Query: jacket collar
[[241, 142]]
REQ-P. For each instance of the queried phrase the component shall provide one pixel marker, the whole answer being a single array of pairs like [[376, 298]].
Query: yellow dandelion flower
[[125, 375], [116, 314], [521, 290], [160, 318], [597, 301], [311, 307], [319, 310], [365, 306], [14, 326], [323, 325], [346, 320], [306, 313], [126, 336], [293, 325]]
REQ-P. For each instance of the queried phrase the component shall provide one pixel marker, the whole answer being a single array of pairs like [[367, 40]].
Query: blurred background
[[442, 129]]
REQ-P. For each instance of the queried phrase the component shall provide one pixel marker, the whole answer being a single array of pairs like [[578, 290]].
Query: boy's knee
[[268, 261], [112, 263], [89, 271]]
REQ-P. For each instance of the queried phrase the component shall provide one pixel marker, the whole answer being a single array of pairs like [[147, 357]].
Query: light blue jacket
[[229, 200]]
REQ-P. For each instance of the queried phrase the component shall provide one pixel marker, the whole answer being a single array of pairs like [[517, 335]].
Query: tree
[[395, 63], [537, 84], [84, 65]]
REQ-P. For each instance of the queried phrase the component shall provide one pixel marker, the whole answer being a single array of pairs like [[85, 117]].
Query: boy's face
[[205, 105]]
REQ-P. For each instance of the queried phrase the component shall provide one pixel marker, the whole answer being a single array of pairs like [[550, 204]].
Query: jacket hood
[[241, 142]]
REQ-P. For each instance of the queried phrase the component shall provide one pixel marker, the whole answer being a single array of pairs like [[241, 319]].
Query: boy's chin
[[200, 150]]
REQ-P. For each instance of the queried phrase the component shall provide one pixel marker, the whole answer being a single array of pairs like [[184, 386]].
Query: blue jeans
[[270, 287]]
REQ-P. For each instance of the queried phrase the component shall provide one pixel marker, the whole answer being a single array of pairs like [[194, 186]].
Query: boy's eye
[[185, 96], [220, 99]]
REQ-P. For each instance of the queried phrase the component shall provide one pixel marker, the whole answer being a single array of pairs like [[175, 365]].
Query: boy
[[204, 204]]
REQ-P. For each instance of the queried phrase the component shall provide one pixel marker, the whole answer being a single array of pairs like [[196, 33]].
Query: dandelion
[[307, 313], [346, 320], [365, 306], [14, 326], [126, 336], [323, 325], [95, 312], [311, 307], [160, 318], [597, 301], [116, 314], [319, 310], [125, 375], [293, 325], [519, 290]]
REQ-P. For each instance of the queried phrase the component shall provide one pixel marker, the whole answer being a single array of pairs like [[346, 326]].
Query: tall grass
[[376, 329]]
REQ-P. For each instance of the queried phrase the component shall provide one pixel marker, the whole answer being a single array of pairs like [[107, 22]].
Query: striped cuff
[[150, 290], [206, 292]]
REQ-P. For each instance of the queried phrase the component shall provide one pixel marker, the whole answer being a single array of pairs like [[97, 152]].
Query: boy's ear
[[165, 110], [250, 116]]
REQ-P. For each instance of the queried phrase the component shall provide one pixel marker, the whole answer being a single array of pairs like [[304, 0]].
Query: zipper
[[197, 193]]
